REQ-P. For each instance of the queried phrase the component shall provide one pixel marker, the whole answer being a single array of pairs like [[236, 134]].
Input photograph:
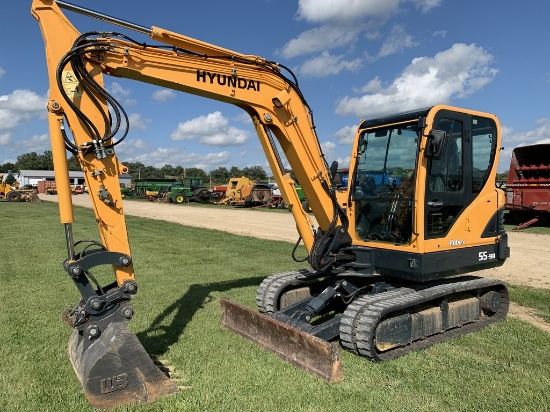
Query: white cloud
[[426, 5], [325, 65], [213, 130], [328, 147], [456, 72], [320, 11], [2, 72], [333, 10], [137, 123], [512, 139], [539, 135], [175, 156], [373, 86], [163, 95], [5, 139], [121, 94], [318, 39], [243, 117], [212, 160], [14, 147], [395, 42], [118, 91], [346, 134], [157, 158], [37, 143], [342, 21], [131, 147], [20, 106], [343, 162]]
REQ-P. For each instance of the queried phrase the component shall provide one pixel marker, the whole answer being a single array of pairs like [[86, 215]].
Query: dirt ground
[[528, 265]]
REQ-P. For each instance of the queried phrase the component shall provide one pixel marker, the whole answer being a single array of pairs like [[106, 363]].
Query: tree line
[[138, 170]]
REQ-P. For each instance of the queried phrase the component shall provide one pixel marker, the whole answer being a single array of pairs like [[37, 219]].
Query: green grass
[[540, 229], [538, 299], [182, 272]]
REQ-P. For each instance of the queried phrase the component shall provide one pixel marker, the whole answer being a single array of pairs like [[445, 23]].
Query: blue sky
[[355, 59]]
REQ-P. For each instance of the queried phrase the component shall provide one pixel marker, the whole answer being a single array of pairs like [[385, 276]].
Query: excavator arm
[[85, 120], [275, 103]]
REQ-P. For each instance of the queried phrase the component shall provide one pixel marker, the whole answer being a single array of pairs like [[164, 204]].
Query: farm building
[[32, 177]]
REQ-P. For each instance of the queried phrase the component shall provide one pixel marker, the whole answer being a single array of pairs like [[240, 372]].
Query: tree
[[74, 164], [220, 175], [256, 173], [150, 172], [10, 179], [167, 170], [502, 176], [7, 167], [34, 161], [28, 161], [134, 169], [46, 160], [235, 172], [196, 172]]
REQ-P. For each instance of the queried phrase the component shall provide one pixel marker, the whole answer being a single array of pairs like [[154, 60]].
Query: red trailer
[[528, 185], [46, 186]]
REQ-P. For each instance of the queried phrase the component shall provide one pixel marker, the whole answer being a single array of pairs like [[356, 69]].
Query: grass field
[[182, 273]]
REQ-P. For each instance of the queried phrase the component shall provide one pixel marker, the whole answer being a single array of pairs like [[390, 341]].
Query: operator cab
[[414, 183]]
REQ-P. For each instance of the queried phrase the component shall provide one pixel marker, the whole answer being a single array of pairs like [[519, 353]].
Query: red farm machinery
[[528, 185]]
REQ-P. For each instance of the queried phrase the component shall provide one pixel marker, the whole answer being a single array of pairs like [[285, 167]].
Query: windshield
[[383, 188]]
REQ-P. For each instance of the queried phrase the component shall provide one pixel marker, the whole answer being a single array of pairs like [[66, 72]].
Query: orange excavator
[[391, 258]]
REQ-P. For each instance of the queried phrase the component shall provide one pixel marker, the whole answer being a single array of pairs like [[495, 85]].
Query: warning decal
[[71, 84]]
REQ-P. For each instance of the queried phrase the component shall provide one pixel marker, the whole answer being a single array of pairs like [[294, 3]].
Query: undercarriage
[[379, 318]]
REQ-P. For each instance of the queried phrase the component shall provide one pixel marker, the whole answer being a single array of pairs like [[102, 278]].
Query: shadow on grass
[[158, 338]]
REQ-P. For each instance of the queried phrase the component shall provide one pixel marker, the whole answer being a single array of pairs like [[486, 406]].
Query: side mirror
[[333, 169], [435, 144]]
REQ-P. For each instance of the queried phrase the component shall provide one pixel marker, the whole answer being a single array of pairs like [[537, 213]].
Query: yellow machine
[[421, 206], [242, 191], [13, 193]]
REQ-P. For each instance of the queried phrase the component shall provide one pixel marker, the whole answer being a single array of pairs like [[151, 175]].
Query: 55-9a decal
[[486, 256]]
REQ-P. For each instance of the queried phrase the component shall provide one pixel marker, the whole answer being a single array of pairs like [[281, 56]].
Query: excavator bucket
[[116, 370], [302, 349]]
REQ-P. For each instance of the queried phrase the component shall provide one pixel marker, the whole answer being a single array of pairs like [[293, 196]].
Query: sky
[[354, 59]]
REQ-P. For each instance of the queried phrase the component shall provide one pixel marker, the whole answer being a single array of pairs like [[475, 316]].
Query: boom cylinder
[[61, 169]]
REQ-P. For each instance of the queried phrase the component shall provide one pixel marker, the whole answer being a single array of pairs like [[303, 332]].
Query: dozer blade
[[116, 370], [302, 349]]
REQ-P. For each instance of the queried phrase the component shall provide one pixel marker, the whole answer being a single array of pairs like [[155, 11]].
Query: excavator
[[391, 259]]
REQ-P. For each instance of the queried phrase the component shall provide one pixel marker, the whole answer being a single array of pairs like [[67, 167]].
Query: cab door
[[448, 178]]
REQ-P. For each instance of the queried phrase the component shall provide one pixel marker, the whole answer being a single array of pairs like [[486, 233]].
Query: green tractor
[[302, 197], [148, 187], [191, 190]]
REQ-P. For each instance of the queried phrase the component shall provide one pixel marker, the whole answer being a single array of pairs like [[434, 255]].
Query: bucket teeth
[[68, 316], [164, 366]]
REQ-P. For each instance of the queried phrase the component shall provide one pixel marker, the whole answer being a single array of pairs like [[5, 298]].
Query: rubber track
[[269, 290], [360, 319], [356, 309]]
